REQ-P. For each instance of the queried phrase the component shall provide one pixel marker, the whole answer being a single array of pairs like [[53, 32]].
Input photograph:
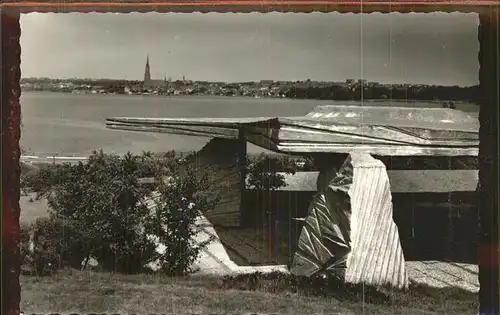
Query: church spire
[[147, 71]]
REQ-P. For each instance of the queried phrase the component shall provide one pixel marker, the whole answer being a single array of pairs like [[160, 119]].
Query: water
[[68, 124]]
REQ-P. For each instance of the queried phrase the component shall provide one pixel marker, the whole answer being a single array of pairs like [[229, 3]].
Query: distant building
[[266, 82], [150, 83]]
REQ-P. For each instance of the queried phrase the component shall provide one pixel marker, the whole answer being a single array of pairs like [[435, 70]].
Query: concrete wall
[[432, 226], [221, 159]]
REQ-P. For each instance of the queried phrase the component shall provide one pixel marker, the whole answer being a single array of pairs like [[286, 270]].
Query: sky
[[435, 48]]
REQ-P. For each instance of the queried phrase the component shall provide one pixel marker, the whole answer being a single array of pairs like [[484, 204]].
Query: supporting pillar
[[349, 230], [11, 118], [488, 163]]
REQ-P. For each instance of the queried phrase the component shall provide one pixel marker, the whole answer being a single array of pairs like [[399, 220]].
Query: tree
[[102, 200], [106, 209]]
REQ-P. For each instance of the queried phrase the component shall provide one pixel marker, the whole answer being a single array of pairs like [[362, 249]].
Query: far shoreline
[[380, 100]]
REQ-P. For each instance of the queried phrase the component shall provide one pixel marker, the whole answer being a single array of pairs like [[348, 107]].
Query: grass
[[93, 292]]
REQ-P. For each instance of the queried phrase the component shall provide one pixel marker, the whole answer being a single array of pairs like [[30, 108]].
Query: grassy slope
[[85, 292]]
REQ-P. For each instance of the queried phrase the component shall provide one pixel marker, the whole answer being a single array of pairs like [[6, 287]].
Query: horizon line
[[254, 81]]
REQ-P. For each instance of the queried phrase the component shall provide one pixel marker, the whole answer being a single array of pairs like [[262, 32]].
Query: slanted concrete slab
[[214, 259]]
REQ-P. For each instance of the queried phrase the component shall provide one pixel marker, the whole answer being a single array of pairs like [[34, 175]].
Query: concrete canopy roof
[[379, 130]]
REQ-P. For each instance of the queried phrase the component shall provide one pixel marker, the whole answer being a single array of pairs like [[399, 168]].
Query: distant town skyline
[[434, 49]]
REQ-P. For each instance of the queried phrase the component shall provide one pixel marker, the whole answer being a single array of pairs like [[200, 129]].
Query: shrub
[[308, 165], [156, 164], [102, 200], [45, 178], [47, 250], [40, 249], [180, 201], [103, 211], [263, 171]]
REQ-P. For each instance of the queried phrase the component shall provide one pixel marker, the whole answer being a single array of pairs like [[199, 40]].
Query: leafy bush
[[47, 249], [263, 171], [308, 165], [44, 178], [40, 249], [104, 213], [157, 164], [179, 203]]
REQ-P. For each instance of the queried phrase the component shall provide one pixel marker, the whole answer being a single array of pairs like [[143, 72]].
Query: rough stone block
[[349, 231]]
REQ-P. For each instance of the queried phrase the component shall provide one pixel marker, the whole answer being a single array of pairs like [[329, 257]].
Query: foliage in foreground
[[264, 170], [177, 214], [100, 209]]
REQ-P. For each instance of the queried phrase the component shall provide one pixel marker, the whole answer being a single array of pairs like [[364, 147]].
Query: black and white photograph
[[231, 163]]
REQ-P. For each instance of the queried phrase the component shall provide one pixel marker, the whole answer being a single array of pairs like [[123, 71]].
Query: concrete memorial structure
[[349, 230]]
